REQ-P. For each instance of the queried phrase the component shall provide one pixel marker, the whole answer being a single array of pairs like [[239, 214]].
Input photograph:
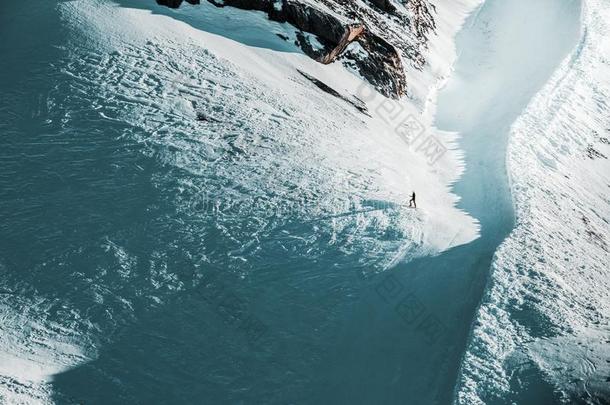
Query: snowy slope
[[262, 161], [34, 347], [259, 116], [265, 163], [543, 329]]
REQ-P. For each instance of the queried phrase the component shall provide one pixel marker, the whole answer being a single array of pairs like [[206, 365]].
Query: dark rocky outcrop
[[355, 102], [175, 3], [386, 35], [351, 33], [383, 67], [423, 20], [384, 5]]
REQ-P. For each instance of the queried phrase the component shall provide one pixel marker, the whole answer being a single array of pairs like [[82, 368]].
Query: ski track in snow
[[547, 310]]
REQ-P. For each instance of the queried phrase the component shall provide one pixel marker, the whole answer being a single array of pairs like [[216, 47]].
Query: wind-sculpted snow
[[543, 328], [251, 156], [35, 346], [245, 163], [194, 208], [279, 153]]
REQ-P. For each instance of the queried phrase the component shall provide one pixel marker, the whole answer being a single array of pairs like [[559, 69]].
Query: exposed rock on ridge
[[373, 38]]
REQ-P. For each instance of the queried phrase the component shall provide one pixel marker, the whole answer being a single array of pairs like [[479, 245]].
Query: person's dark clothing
[[412, 201]]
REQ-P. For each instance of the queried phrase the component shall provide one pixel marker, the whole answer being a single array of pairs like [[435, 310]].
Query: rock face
[[352, 33], [376, 38], [175, 3]]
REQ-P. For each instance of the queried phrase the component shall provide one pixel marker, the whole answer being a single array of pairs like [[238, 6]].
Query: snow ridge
[[542, 330]]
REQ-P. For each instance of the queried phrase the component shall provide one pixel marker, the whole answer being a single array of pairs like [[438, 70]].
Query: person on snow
[[412, 201]]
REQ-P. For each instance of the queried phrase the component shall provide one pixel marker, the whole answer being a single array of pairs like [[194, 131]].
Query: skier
[[412, 201]]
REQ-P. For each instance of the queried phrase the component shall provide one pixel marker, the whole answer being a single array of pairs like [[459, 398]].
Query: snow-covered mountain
[[267, 157], [391, 44], [275, 144], [377, 39]]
